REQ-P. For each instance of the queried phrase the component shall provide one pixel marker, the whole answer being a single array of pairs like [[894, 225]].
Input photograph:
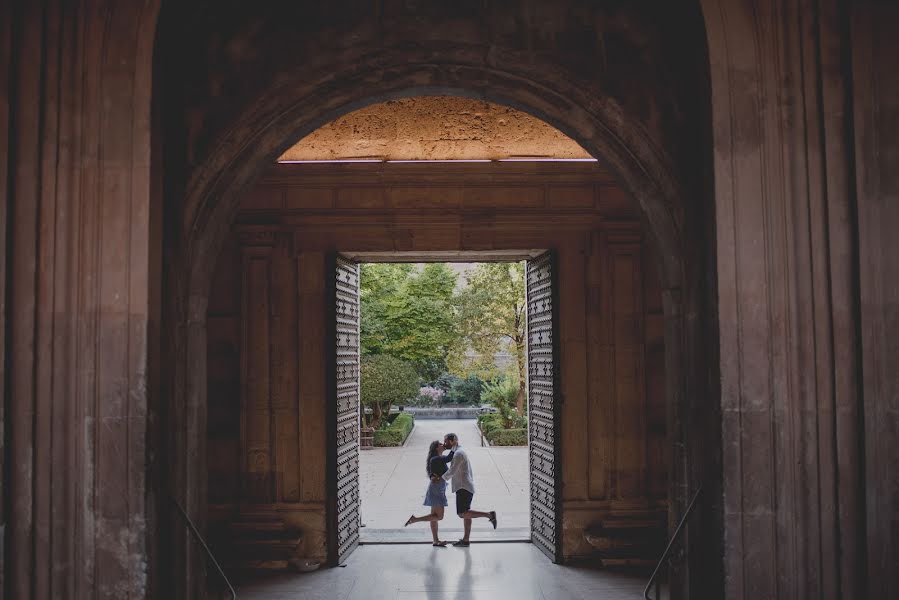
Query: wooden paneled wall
[[267, 313]]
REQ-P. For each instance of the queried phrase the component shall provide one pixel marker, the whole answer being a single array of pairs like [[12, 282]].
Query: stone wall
[[446, 412], [611, 319]]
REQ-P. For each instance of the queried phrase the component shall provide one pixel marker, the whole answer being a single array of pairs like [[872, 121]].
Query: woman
[[435, 497]]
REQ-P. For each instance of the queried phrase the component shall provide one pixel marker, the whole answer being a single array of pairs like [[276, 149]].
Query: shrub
[[508, 437], [404, 422], [489, 422], [395, 433], [458, 390], [502, 394], [388, 437], [466, 391], [385, 381], [430, 396], [446, 381]]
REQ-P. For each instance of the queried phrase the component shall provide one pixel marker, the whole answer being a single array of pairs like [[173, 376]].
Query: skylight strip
[[544, 159], [444, 160], [330, 161]]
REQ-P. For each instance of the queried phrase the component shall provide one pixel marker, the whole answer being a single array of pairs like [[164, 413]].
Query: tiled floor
[[393, 482], [489, 571]]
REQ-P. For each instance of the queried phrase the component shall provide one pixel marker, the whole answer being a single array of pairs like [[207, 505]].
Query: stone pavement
[[414, 572], [393, 483]]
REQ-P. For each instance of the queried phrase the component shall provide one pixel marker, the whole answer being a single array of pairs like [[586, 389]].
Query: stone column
[[788, 312], [74, 129], [875, 103]]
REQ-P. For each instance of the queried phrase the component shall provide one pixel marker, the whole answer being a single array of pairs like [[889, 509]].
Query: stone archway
[[215, 189], [786, 109], [625, 104]]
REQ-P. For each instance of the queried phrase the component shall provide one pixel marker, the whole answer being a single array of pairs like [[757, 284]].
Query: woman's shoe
[[440, 544], [409, 522]]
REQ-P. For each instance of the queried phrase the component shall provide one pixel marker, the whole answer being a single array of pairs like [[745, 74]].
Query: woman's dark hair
[[432, 452]]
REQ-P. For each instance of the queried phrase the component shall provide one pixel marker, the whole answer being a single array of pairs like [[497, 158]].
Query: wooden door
[[343, 410], [544, 403]]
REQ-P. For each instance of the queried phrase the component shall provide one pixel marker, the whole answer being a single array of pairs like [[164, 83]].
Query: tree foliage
[[459, 390], [491, 316], [408, 313], [385, 381], [502, 394]]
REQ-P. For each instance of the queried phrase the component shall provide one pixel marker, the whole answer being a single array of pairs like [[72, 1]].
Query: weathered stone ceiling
[[435, 128]]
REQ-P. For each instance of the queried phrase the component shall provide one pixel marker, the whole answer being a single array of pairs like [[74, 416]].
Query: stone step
[[621, 523], [286, 544], [256, 515], [634, 540], [611, 546], [256, 565], [256, 541], [647, 512], [238, 527], [240, 553], [628, 563]]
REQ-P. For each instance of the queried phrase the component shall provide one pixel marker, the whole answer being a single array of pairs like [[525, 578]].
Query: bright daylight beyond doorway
[[443, 350]]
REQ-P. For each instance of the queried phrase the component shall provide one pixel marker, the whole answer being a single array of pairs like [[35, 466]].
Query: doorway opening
[[443, 351], [400, 330]]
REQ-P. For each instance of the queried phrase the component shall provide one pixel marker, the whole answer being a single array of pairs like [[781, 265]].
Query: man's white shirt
[[459, 472]]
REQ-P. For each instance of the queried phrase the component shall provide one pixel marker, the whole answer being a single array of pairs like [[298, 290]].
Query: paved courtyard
[[413, 572], [393, 483]]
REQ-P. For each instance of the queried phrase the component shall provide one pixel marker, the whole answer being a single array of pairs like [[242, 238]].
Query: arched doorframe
[[214, 190]]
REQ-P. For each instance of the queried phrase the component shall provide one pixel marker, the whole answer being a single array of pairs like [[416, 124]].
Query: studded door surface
[[543, 406], [344, 401]]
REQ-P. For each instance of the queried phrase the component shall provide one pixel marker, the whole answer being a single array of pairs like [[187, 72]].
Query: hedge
[[404, 422], [508, 437], [395, 433], [388, 437], [491, 422]]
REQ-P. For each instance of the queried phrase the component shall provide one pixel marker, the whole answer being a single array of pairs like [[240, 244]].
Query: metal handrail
[[677, 532], [193, 529]]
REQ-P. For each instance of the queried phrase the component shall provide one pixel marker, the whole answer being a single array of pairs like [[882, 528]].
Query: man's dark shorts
[[463, 501]]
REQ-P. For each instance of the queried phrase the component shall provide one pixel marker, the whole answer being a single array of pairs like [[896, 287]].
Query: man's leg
[[475, 514], [463, 508]]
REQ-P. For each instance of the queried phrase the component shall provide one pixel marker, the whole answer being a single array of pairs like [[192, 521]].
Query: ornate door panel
[[543, 405], [343, 405]]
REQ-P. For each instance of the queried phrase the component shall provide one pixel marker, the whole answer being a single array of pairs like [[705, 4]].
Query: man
[[460, 475]]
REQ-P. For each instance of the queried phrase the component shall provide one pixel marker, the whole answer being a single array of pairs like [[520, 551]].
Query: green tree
[[380, 287], [408, 313], [385, 381], [466, 391], [491, 317]]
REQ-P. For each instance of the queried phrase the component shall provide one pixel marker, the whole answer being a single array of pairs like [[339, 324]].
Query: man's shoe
[[493, 518], [462, 543]]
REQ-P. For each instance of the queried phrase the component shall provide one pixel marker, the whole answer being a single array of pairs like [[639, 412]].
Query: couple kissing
[[456, 468]]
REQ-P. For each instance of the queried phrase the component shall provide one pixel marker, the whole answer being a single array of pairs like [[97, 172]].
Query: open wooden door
[[544, 403], [343, 410]]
